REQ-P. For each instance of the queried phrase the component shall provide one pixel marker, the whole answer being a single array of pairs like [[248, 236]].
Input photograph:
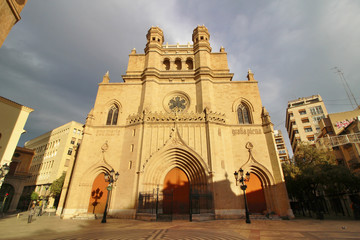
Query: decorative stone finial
[[105, 146], [106, 78], [133, 51], [265, 116], [250, 75], [222, 49]]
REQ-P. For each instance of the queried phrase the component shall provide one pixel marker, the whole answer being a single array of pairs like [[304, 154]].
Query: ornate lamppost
[[111, 179], [243, 187]]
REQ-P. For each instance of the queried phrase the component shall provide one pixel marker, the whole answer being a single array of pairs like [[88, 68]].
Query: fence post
[[190, 204], [157, 201]]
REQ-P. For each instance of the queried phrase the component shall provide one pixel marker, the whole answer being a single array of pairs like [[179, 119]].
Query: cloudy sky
[[54, 58]]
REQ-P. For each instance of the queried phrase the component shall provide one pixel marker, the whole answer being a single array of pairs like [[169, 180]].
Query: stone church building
[[175, 129]]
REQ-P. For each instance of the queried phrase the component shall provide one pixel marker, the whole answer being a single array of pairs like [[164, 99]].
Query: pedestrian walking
[[31, 212], [40, 208]]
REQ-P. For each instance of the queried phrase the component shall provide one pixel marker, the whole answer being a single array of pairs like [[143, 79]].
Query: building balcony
[[335, 141]]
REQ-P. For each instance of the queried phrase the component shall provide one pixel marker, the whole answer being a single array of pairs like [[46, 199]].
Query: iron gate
[[161, 204]]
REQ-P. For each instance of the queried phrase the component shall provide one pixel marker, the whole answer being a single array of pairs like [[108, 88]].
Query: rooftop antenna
[[348, 91]]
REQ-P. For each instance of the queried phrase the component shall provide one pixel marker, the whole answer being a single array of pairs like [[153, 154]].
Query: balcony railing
[[335, 141]]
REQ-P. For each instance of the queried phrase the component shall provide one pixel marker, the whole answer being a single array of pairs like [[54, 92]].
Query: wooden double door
[[176, 192]]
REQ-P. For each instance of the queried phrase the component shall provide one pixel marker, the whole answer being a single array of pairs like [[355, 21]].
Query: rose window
[[177, 104]]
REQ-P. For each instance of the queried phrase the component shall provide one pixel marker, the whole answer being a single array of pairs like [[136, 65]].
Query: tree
[[315, 174], [318, 167], [308, 155], [34, 196], [56, 187], [306, 174], [290, 173]]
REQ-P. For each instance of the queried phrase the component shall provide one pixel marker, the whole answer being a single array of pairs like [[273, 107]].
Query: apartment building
[[12, 121], [15, 180], [281, 147], [302, 119], [53, 153], [340, 133]]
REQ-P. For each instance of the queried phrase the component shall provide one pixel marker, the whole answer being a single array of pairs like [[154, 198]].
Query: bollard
[[30, 218]]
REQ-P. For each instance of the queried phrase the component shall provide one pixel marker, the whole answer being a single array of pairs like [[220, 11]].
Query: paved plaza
[[52, 227]]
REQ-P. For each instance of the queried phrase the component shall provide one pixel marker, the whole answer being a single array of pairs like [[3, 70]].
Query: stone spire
[[106, 78]]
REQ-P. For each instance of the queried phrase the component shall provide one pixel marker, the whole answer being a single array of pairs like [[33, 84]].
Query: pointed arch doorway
[[97, 199], [176, 192], [185, 190], [255, 195]]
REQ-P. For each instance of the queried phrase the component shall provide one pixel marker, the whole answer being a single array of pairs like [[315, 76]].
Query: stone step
[[84, 216], [164, 218], [256, 216]]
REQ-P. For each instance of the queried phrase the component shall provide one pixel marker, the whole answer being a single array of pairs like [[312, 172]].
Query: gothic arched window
[[243, 114], [112, 115]]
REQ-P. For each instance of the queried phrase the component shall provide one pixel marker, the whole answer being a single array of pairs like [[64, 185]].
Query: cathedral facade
[[175, 130]]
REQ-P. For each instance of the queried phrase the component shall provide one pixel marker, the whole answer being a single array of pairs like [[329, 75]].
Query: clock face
[[177, 104]]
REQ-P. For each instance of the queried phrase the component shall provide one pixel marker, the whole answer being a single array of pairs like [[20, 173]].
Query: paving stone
[[52, 227]]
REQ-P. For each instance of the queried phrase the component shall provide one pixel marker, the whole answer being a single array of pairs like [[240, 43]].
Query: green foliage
[[56, 186], [290, 173], [308, 155], [315, 170], [34, 196]]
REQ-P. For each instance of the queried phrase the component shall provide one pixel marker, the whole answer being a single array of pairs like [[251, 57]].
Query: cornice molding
[[14, 9], [16, 105]]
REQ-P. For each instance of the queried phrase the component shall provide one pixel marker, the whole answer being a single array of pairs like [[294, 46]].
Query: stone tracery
[[174, 116]]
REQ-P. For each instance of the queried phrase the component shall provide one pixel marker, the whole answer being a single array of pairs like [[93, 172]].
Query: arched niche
[[178, 64]]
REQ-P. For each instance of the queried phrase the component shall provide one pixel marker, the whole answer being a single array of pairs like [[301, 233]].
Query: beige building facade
[[10, 193], [340, 133], [53, 155], [175, 129], [351, 150], [302, 119], [9, 15], [281, 147], [12, 121]]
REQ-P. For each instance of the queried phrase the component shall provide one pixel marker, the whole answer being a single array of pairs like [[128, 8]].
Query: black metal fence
[[147, 203], [161, 203], [201, 203], [328, 206]]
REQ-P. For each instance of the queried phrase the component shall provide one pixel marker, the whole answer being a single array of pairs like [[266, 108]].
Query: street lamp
[[4, 170], [243, 187], [110, 178]]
